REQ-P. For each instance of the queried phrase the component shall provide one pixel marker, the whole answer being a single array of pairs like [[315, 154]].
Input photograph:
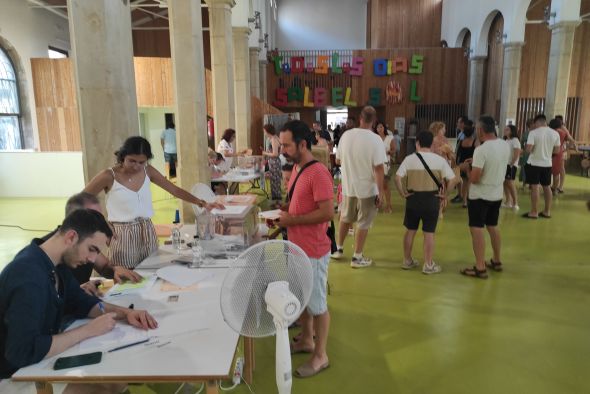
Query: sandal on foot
[[528, 216], [295, 350], [475, 273], [542, 215], [306, 370], [495, 265]]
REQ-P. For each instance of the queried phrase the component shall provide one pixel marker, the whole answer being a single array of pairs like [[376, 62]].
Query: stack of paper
[[182, 276]]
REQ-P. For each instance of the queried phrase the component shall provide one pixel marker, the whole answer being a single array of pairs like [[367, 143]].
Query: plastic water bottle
[[197, 250], [176, 239]]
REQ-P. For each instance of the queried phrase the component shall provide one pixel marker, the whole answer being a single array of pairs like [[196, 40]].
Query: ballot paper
[[182, 276], [121, 335], [231, 210], [270, 215], [133, 288]]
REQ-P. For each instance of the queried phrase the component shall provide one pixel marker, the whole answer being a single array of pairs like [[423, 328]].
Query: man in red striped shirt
[[306, 218]]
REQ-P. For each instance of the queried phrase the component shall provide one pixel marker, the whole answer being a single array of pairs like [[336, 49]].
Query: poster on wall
[[400, 126]]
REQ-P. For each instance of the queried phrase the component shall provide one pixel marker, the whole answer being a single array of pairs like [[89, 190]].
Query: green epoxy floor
[[522, 331]]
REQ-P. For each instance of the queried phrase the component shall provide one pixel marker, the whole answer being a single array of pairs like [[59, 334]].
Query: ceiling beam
[[148, 19], [43, 4]]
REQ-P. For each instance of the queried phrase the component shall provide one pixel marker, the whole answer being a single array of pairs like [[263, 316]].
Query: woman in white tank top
[[129, 201]]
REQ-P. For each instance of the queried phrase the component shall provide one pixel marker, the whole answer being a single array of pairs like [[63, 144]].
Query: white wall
[[322, 24], [477, 16], [31, 31], [40, 174]]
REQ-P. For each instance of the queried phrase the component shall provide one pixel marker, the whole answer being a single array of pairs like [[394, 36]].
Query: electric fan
[[265, 290]]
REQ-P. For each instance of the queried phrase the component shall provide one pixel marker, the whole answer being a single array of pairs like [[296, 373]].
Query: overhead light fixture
[[255, 20], [547, 15]]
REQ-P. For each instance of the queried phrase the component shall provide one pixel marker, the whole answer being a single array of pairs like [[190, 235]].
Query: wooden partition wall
[[57, 107], [443, 81]]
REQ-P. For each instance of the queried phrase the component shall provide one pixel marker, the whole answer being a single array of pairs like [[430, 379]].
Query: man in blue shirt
[[37, 288]]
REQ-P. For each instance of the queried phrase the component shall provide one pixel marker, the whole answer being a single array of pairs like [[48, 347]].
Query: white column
[[222, 65], [254, 72], [100, 32], [475, 88], [188, 68], [510, 83], [262, 67], [558, 73], [242, 86]]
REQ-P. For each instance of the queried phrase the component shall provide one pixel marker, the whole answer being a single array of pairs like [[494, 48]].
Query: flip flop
[[542, 215], [495, 265], [306, 370], [527, 216]]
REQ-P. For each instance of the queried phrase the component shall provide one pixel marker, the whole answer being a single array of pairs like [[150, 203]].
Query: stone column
[[242, 86], [263, 91], [475, 88], [254, 72], [558, 73], [100, 32], [510, 83], [188, 71], [222, 65]]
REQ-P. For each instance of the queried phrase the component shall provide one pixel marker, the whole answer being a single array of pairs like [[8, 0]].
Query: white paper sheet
[[182, 276], [121, 335], [274, 214], [132, 288]]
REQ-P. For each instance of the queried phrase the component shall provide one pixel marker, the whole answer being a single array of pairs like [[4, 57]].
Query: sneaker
[[457, 199], [337, 254], [351, 231], [515, 208], [360, 263], [431, 269], [504, 205], [408, 265]]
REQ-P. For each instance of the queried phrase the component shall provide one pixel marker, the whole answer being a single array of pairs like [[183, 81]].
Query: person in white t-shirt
[[226, 148], [423, 198], [168, 142], [511, 197], [362, 158], [542, 143], [486, 174], [389, 146]]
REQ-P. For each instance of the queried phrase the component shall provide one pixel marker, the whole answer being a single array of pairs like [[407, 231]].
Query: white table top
[[206, 351]]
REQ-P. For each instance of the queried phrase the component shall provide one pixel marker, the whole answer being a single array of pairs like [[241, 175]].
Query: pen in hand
[[101, 307]]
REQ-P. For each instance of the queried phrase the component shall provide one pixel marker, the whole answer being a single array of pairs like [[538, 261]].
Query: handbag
[[441, 187], [331, 232]]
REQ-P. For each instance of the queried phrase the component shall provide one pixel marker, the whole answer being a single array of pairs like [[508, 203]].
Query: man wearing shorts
[[306, 219], [362, 158], [486, 174], [422, 198], [541, 144]]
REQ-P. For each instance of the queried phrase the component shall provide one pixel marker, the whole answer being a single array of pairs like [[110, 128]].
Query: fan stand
[[283, 357]]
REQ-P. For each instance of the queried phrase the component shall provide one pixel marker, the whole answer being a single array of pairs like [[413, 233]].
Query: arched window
[[10, 132]]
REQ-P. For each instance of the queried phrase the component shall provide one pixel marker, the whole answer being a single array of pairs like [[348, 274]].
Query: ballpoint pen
[[129, 345], [101, 307]]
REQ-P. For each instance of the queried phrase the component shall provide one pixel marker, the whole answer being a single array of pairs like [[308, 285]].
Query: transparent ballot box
[[250, 165]]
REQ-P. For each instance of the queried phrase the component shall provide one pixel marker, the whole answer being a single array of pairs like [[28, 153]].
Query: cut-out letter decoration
[[356, 68], [346, 67], [323, 65], [286, 68], [417, 64], [400, 65], [380, 67], [335, 68], [413, 92], [309, 68], [294, 94], [297, 64], [306, 101], [347, 101], [374, 97], [281, 98], [277, 62], [320, 97], [337, 97]]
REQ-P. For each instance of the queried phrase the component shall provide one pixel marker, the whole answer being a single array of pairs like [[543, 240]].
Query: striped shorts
[[132, 242]]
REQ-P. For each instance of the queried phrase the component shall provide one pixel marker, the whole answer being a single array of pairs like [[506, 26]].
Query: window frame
[[19, 115]]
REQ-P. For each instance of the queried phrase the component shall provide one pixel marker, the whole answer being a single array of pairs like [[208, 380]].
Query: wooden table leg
[[44, 388], [212, 387], [248, 360]]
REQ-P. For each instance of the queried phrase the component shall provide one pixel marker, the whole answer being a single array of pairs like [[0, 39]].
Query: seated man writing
[[37, 288], [101, 264]]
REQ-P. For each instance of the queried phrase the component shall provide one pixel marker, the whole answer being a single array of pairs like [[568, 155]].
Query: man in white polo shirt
[[362, 157], [486, 173], [542, 144]]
